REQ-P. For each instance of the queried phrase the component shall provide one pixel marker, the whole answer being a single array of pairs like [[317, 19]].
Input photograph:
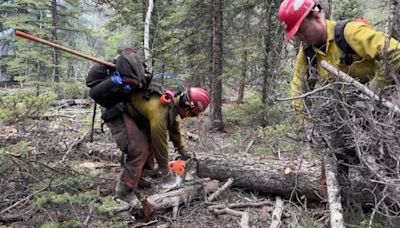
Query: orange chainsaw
[[181, 170]]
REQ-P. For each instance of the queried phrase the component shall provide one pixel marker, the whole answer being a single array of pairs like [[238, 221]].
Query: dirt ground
[[52, 175]]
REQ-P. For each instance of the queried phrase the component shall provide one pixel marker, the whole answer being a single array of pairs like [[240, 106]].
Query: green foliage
[[107, 207], [5, 163], [348, 9], [273, 138], [357, 216], [247, 114], [67, 224], [22, 105], [70, 183], [50, 225], [72, 89], [83, 198], [8, 163], [20, 148], [236, 142]]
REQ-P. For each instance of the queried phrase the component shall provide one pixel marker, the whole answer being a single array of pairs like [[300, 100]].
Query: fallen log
[[173, 199], [277, 177], [72, 102], [283, 178]]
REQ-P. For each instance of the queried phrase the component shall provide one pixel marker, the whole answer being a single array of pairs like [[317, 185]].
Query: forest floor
[[53, 176]]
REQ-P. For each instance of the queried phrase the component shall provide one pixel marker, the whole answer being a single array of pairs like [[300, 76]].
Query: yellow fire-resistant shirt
[[162, 121], [368, 45]]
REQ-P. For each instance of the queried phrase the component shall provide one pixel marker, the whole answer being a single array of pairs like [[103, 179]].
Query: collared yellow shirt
[[368, 45]]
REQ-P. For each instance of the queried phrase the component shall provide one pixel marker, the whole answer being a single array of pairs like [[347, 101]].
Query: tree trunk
[[243, 75], [394, 19], [54, 15], [147, 49], [216, 106], [244, 56]]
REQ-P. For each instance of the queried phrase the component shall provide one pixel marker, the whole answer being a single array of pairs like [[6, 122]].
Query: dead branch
[[142, 224], [319, 89], [74, 145], [97, 199], [19, 216], [239, 205], [249, 146], [277, 214], [335, 206], [25, 198], [244, 222], [343, 76], [220, 190]]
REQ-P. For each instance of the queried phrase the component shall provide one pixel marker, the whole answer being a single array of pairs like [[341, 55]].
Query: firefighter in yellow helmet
[[304, 21]]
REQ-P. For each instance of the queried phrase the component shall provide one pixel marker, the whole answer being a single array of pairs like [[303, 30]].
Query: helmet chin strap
[[185, 100]]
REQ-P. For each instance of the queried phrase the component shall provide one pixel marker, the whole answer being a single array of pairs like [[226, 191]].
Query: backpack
[[105, 83], [346, 57], [163, 82]]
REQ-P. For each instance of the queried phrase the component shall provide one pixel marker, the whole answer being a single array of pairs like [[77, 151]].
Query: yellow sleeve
[[175, 136], [299, 80], [370, 44], [366, 42]]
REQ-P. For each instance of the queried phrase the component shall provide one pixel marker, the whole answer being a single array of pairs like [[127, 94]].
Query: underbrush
[[22, 105], [265, 127], [72, 89], [55, 195]]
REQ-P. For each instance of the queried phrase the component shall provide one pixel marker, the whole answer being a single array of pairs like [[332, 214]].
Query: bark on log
[[279, 177], [268, 176]]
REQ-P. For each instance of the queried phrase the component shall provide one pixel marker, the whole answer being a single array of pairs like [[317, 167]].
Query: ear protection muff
[[167, 98]]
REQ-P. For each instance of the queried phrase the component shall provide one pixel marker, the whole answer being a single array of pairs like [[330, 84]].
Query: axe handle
[[83, 55]]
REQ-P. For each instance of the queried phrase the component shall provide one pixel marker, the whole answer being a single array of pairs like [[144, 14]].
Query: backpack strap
[[347, 52], [312, 74]]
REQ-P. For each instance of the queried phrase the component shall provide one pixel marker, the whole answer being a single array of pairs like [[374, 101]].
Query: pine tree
[[35, 17], [348, 9]]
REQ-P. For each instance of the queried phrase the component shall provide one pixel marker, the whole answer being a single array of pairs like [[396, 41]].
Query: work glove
[[184, 154], [132, 82]]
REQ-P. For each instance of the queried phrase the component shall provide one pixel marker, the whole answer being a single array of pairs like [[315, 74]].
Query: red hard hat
[[199, 99], [292, 14]]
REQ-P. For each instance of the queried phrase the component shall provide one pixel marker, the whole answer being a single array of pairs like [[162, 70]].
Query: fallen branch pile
[[361, 130]]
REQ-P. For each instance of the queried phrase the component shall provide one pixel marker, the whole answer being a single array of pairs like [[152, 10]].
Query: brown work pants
[[134, 141]]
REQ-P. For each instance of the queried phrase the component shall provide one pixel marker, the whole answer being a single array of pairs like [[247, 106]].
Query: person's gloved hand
[[184, 154], [132, 82]]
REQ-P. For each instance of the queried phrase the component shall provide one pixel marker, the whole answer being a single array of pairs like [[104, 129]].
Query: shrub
[[273, 138], [247, 114], [22, 105], [71, 90]]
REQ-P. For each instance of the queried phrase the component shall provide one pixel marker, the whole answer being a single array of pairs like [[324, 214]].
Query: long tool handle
[[83, 55]]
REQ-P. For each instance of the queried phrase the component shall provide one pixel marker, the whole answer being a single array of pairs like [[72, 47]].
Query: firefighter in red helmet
[[151, 121], [351, 46]]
